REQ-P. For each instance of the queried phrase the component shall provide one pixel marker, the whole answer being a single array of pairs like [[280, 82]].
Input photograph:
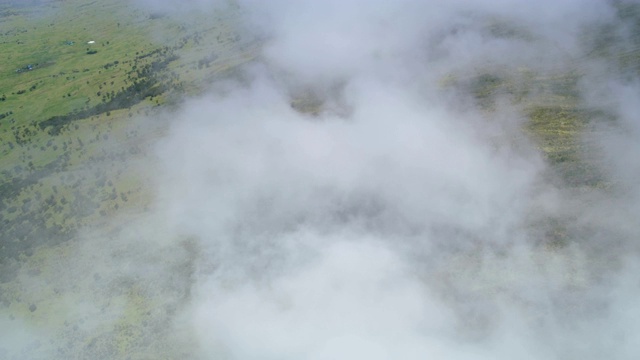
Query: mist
[[400, 220], [347, 195]]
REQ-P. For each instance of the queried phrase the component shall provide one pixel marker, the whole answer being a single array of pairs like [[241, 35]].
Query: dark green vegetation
[[74, 77]]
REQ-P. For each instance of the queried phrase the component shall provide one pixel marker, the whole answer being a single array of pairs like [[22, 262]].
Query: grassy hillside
[[67, 137], [75, 119]]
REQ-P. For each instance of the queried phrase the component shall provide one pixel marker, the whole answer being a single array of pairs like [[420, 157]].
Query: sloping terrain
[[81, 88], [68, 130]]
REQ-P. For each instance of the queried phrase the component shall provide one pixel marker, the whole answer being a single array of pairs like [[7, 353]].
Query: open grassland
[[76, 118], [75, 78]]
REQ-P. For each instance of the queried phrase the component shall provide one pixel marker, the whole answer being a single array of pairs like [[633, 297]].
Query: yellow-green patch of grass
[[559, 132], [128, 328]]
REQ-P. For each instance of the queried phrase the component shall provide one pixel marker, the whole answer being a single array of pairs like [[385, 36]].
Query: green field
[[76, 119], [67, 132]]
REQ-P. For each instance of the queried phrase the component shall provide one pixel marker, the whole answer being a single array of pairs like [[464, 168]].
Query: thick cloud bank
[[400, 219]]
